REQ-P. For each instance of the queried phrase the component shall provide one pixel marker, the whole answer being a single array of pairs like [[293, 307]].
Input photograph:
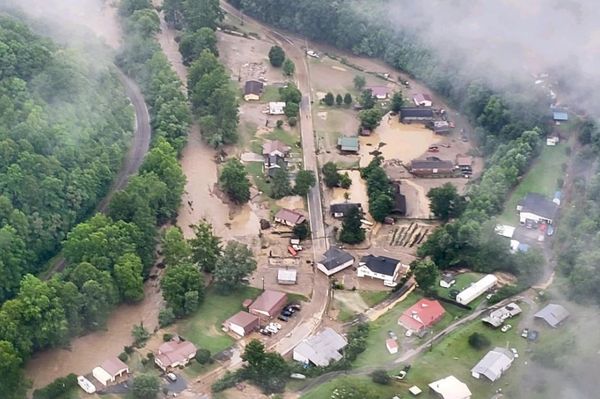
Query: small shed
[[289, 217], [110, 370], [276, 108], [560, 116], [287, 276], [348, 144], [415, 390], [252, 90], [391, 345], [422, 100], [242, 323], [379, 92], [553, 314]]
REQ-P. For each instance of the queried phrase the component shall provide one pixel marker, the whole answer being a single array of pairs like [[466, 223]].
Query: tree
[[128, 7], [128, 278], [140, 335], [331, 176], [339, 100], [348, 99], [397, 102], [192, 44], [288, 67], [370, 118], [352, 231], [145, 386], [345, 181], [12, 383], [479, 341], [268, 370], [380, 206], [177, 282], [175, 248], [234, 182], [302, 230], [291, 110], [206, 247], [426, 273], [276, 56], [359, 82], [305, 180], [280, 185], [290, 94], [203, 356], [445, 202], [236, 264], [329, 99], [166, 317], [367, 100], [202, 14], [381, 377]]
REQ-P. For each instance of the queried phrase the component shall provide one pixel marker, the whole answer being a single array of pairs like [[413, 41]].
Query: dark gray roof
[[380, 264], [416, 112], [253, 87], [335, 257], [399, 200], [344, 207], [431, 164], [540, 205], [553, 314]]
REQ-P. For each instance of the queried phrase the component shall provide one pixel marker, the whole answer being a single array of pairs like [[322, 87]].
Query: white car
[[172, 377], [277, 325], [505, 328], [408, 333], [271, 329], [514, 351]]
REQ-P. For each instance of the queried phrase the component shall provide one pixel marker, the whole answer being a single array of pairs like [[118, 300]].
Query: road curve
[[133, 159]]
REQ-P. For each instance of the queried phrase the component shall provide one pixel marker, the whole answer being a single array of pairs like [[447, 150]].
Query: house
[[498, 316], [320, 349], [560, 116], [276, 108], [476, 289], [269, 303], [379, 92], [553, 314], [174, 353], [415, 114], [275, 148], [252, 90], [537, 208], [348, 144], [399, 206], [391, 345], [493, 364], [431, 166], [464, 162], [242, 323], [447, 280], [110, 370], [450, 388], [340, 210], [422, 315], [288, 217], [274, 162], [287, 276], [380, 267], [552, 140], [334, 260], [422, 100], [440, 127]]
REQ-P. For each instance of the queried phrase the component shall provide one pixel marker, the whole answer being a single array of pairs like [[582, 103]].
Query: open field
[[541, 178], [324, 391]]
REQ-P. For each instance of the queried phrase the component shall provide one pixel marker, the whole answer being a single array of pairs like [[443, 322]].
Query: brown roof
[[378, 90], [420, 97], [274, 145], [242, 319], [253, 87], [464, 160], [175, 351], [290, 216], [113, 366], [269, 302]]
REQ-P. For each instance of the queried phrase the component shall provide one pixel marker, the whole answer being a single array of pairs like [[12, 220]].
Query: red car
[[433, 149]]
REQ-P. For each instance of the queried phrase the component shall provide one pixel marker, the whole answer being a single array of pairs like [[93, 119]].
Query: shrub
[[123, 356], [380, 377], [203, 356], [227, 381], [293, 121], [166, 317], [479, 341], [128, 349], [167, 337], [56, 388], [279, 124]]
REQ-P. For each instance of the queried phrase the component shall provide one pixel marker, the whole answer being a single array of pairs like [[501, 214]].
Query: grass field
[[541, 178], [255, 169], [285, 136], [345, 314], [271, 93], [372, 298], [324, 391], [463, 281], [204, 327]]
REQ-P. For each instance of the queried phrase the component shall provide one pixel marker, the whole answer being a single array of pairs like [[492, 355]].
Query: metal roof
[[380, 264], [553, 314], [348, 143], [538, 204], [322, 348], [494, 363]]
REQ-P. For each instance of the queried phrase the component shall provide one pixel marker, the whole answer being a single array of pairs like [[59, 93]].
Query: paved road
[[133, 160]]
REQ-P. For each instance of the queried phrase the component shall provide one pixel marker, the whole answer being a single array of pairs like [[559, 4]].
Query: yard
[[463, 280], [541, 178], [204, 327], [324, 391]]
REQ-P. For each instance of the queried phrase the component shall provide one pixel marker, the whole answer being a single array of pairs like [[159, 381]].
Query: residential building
[[340, 210], [552, 140], [289, 217], [275, 148], [422, 100], [321, 349], [391, 345], [276, 108], [440, 127], [447, 280], [422, 315], [553, 314], [505, 230], [348, 144], [380, 267], [451, 388], [379, 92], [493, 364], [174, 353], [110, 370], [416, 114], [431, 166], [467, 295], [252, 90], [497, 317], [560, 116], [537, 208], [269, 303], [287, 276], [399, 207], [335, 260], [242, 323], [464, 161]]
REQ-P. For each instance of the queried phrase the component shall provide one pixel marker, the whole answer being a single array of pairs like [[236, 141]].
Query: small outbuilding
[[174, 353], [276, 108], [335, 260], [242, 323], [379, 92], [498, 316], [289, 217], [110, 370], [269, 303], [493, 364], [348, 144], [422, 100], [252, 90], [391, 345], [416, 114], [287, 276], [447, 280], [560, 116], [553, 314], [451, 388]]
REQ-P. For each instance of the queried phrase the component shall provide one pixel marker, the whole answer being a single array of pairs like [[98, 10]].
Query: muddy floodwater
[[402, 141]]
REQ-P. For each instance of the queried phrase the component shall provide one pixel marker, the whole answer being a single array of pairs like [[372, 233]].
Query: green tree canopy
[[445, 202], [192, 44], [236, 263], [288, 67], [426, 273], [329, 99], [305, 180], [234, 181], [359, 82], [331, 176], [352, 232], [276, 56], [145, 386], [175, 248], [128, 278], [397, 102], [280, 184], [370, 118], [177, 282], [206, 247]]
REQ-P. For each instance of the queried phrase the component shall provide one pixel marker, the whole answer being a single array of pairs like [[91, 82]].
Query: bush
[[166, 317], [479, 341], [227, 381], [293, 121], [56, 388], [203, 356], [380, 377], [123, 356], [145, 386], [167, 337], [128, 349], [345, 181], [279, 124]]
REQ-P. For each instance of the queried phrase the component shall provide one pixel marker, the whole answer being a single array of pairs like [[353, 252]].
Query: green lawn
[[255, 169], [541, 178], [324, 391], [463, 281], [372, 298], [271, 93], [345, 314], [204, 327], [286, 137]]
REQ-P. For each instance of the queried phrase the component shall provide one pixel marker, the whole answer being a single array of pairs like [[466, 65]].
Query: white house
[[493, 364], [382, 268], [451, 388], [422, 100], [110, 370], [334, 260], [276, 108], [320, 349], [476, 289], [537, 208]]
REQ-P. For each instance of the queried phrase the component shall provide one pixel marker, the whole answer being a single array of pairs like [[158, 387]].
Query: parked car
[[266, 332], [549, 230], [401, 375], [294, 306], [525, 333], [408, 333], [172, 377], [286, 313], [276, 325], [271, 329], [392, 335], [505, 328], [533, 335], [514, 351], [283, 318]]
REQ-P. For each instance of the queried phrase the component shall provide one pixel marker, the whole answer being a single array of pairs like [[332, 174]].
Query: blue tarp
[[560, 116]]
